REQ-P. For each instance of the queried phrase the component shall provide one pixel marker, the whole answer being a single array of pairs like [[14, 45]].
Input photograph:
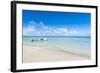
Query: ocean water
[[78, 45]]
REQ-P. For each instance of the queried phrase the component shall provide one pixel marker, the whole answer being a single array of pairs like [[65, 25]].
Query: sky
[[49, 23]]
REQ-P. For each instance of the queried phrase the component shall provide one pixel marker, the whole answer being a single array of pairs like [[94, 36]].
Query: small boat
[[43, 39]]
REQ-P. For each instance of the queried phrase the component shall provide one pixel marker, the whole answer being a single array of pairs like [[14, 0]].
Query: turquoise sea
[[78, 44]]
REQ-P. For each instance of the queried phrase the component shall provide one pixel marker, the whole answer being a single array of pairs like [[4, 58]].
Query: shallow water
[[78, 45]]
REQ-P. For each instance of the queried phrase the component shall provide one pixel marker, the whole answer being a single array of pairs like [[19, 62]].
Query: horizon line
[[56, 36]]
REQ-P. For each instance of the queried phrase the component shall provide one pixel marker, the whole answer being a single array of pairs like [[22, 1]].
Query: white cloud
[[40, 29], [29, 29], [63, 30], [74, 32]]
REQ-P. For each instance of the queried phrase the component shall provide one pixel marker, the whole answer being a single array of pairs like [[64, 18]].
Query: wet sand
[[46, 53]]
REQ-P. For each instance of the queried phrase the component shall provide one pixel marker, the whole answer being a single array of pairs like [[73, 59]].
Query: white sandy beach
[[45, 53]]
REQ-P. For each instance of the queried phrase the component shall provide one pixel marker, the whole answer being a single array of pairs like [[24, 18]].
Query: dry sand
[[45, 53]]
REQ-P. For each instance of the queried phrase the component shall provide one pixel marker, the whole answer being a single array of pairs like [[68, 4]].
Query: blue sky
[[49, 23]]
